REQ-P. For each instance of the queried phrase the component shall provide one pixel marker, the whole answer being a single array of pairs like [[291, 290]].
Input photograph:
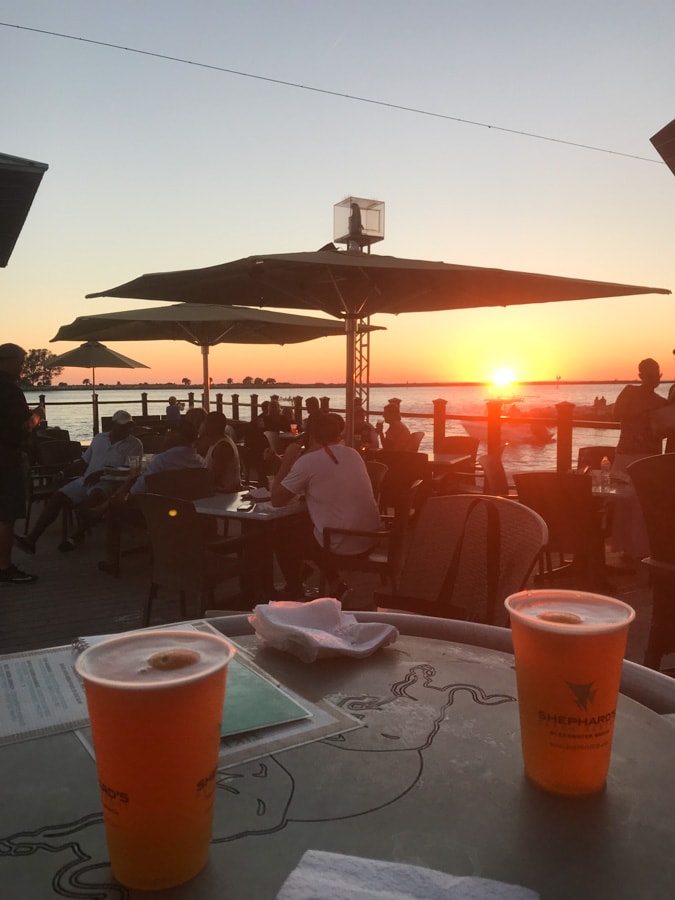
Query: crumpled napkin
[[332, 876], [318, 629]]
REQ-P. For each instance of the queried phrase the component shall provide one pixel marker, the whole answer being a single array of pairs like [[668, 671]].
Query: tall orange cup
[[569, 647], [155, 701]]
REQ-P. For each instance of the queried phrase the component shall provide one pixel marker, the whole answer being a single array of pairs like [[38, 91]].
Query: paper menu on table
[[41, 693]]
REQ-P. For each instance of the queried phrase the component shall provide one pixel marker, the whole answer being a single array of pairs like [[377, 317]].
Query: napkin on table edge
[[334, 876]]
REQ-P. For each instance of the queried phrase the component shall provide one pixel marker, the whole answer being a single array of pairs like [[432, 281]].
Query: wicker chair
[[181, 560], [467, 553]]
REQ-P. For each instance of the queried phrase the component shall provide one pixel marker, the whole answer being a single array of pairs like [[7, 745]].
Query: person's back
[[398, 435], [221, 455], [633, 407], [336, 487]]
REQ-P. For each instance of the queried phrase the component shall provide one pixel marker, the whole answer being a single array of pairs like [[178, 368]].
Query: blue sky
[[157, 165]]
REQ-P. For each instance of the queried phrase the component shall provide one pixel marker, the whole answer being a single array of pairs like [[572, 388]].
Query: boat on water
[[513, 432]]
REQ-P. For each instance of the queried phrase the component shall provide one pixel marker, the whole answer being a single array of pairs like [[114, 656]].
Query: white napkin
[[259, 493], [318, 629], [332, 876]]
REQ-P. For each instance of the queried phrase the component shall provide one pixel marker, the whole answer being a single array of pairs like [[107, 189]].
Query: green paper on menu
[[252, 702]]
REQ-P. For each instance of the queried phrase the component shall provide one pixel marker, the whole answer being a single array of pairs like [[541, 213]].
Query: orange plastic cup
[[155, 701], [569, 648]]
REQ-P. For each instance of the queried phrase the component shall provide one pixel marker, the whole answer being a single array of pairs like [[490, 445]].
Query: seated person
[[276, 418], [313, 408], [173, 410], [365, 434], [87, 492], [179, 453], [338, 492], [398, 436], [220, 453]]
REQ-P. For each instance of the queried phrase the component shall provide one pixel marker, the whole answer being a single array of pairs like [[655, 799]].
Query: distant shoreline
[[172, 386]]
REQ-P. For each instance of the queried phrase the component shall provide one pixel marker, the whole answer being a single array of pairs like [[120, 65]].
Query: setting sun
[[503, 377]]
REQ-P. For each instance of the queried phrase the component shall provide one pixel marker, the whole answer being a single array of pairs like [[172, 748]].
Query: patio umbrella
[[203, 325], [93, 355], [353, 285]]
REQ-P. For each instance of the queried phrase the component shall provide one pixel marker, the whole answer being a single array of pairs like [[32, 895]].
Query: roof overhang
[[19, 181], [664, 142]]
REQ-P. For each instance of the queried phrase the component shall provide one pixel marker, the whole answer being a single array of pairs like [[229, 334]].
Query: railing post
[[254, 407], [94, 408], [235, 407], [219, 403], [494, 427], [297, 411], [564, 437], [440, 407], [144, 404], [191, 399]]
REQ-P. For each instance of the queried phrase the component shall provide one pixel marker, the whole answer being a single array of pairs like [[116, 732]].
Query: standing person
[[398, 435], [16, 421], [632, 408], [338, 492]]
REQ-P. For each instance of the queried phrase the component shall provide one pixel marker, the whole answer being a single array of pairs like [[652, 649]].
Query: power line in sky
[[317, 90]]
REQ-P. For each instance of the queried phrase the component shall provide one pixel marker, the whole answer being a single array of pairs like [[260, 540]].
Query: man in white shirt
[[338, 492], [111, 448]]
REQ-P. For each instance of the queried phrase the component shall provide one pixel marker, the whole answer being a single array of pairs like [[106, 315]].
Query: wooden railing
[[563, 422]]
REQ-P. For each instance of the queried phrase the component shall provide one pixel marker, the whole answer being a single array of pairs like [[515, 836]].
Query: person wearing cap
[[632, 408], [16, 421], [87, 491]]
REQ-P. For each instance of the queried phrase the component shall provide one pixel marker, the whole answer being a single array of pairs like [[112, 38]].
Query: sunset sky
[[156, 164]]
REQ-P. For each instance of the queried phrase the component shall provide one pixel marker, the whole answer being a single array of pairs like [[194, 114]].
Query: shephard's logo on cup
[[584, 694]]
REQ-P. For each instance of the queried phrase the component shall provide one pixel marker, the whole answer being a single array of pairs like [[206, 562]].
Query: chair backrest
[[416, 438], [467, 553], [376, 472], [403, 468], [152, 441], [654, 480], [460, 443], [591, 457], [275, 442], [176, 541], [187, 484], [494, 481], [565, 502], [57, 453]]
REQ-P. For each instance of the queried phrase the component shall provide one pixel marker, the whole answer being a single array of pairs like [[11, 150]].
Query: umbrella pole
[[205, 375], [350, 389], [94, 404]]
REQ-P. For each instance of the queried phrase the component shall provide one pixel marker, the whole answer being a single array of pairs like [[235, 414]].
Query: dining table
[[259, 522], [426, 771]]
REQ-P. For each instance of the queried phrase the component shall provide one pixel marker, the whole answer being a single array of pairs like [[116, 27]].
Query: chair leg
[[661, 638], [152, 593]]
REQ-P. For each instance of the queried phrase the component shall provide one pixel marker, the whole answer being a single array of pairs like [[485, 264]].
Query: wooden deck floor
[[72, 598]]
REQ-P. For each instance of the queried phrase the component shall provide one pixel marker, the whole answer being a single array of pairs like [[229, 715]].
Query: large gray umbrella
[[203, 325], [353, 285], [93, 355]]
